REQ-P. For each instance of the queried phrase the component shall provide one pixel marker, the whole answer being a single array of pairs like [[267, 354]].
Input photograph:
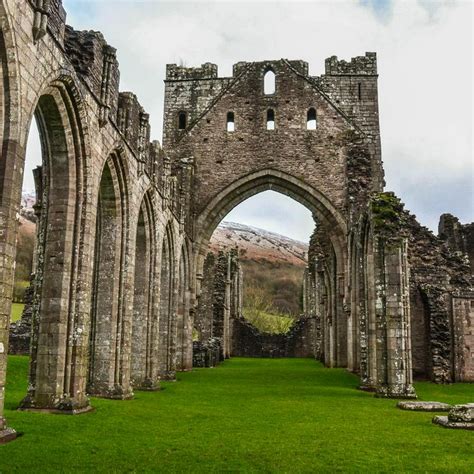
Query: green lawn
[[247, 415], [17, 309]]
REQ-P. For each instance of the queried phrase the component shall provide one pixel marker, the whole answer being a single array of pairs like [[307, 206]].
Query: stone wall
[[459, 237], [248, 341]]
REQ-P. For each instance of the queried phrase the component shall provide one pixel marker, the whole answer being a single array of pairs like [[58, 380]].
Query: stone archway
[[270, 179], [108, 375], [184, 320], [329, 219], [167, 319], [54, 377], [143, 364]]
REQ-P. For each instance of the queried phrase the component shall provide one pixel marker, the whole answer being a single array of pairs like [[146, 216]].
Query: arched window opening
[[182, 120], [269, 80], [230, 122], [270, 119], [105, 314], [311, 119], [167, 323], [139, 360], [359, 91]]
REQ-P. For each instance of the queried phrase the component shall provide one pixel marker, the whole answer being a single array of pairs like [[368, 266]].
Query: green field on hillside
[[268, 322], [247, 415], [17, 310]]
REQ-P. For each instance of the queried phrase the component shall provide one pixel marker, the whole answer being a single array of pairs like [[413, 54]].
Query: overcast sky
[[425, 61]]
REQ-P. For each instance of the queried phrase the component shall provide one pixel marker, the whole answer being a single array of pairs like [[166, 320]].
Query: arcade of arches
[[122, 276]]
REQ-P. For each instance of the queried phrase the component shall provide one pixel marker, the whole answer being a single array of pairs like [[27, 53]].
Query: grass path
[[248, 415]]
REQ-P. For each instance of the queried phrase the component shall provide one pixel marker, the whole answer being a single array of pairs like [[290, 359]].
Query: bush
[[259, 311]]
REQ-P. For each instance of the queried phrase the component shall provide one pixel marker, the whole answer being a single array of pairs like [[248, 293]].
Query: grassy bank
[[248, 415], [268, 322], [17, 310]]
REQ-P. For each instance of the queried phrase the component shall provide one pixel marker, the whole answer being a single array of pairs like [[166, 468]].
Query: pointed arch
[[61, 207], [269, 81], [108, 350], [167, 318], [144, 319], [270, 179], [184, 316]]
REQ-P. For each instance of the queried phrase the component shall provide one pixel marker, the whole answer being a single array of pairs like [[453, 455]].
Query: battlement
[[360, 65], [176, 73]]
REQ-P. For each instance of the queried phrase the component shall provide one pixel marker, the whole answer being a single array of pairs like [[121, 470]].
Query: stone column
[[394, 374], [10, 195]]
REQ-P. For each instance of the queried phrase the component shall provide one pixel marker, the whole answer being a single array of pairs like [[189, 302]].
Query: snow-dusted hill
[[259, 244]]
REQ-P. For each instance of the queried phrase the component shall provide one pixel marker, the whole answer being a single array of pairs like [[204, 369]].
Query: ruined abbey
[[122, 276]]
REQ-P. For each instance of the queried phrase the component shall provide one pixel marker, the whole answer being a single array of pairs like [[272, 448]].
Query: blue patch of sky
[[381, 8]]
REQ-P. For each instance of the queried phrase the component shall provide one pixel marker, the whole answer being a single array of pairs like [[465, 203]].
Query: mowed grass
[[17, 310], [247, 415]]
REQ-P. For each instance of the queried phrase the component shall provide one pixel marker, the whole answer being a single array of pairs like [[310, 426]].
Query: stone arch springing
[[167, 321], [142, 362], [107, 376], [183, 315]]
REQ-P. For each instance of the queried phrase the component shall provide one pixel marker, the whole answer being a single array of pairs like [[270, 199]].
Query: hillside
[[273, 267], [259, 244]]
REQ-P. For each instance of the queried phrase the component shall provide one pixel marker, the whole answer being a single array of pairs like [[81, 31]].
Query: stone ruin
[[124, 223]]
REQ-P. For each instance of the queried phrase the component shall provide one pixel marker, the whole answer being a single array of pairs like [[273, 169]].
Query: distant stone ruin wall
[[248, 341], [463, 317], [459, 237], [219, 303], [219, 317]]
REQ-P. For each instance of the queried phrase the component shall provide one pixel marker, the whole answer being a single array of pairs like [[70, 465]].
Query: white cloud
[[275, 212], [424, 58]]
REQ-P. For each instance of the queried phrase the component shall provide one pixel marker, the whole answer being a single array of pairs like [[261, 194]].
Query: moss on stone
[[387, 212]]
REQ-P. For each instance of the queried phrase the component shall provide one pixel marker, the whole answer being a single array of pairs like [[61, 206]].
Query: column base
[[396, 391], [148, 385], [7, 435], [59, 411], [114, 394], [66, 406], [169, 376]]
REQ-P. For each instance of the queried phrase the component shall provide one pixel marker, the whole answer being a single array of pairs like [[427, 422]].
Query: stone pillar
[[7, 258], [394, 374], [219, 299], [367, 324]]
